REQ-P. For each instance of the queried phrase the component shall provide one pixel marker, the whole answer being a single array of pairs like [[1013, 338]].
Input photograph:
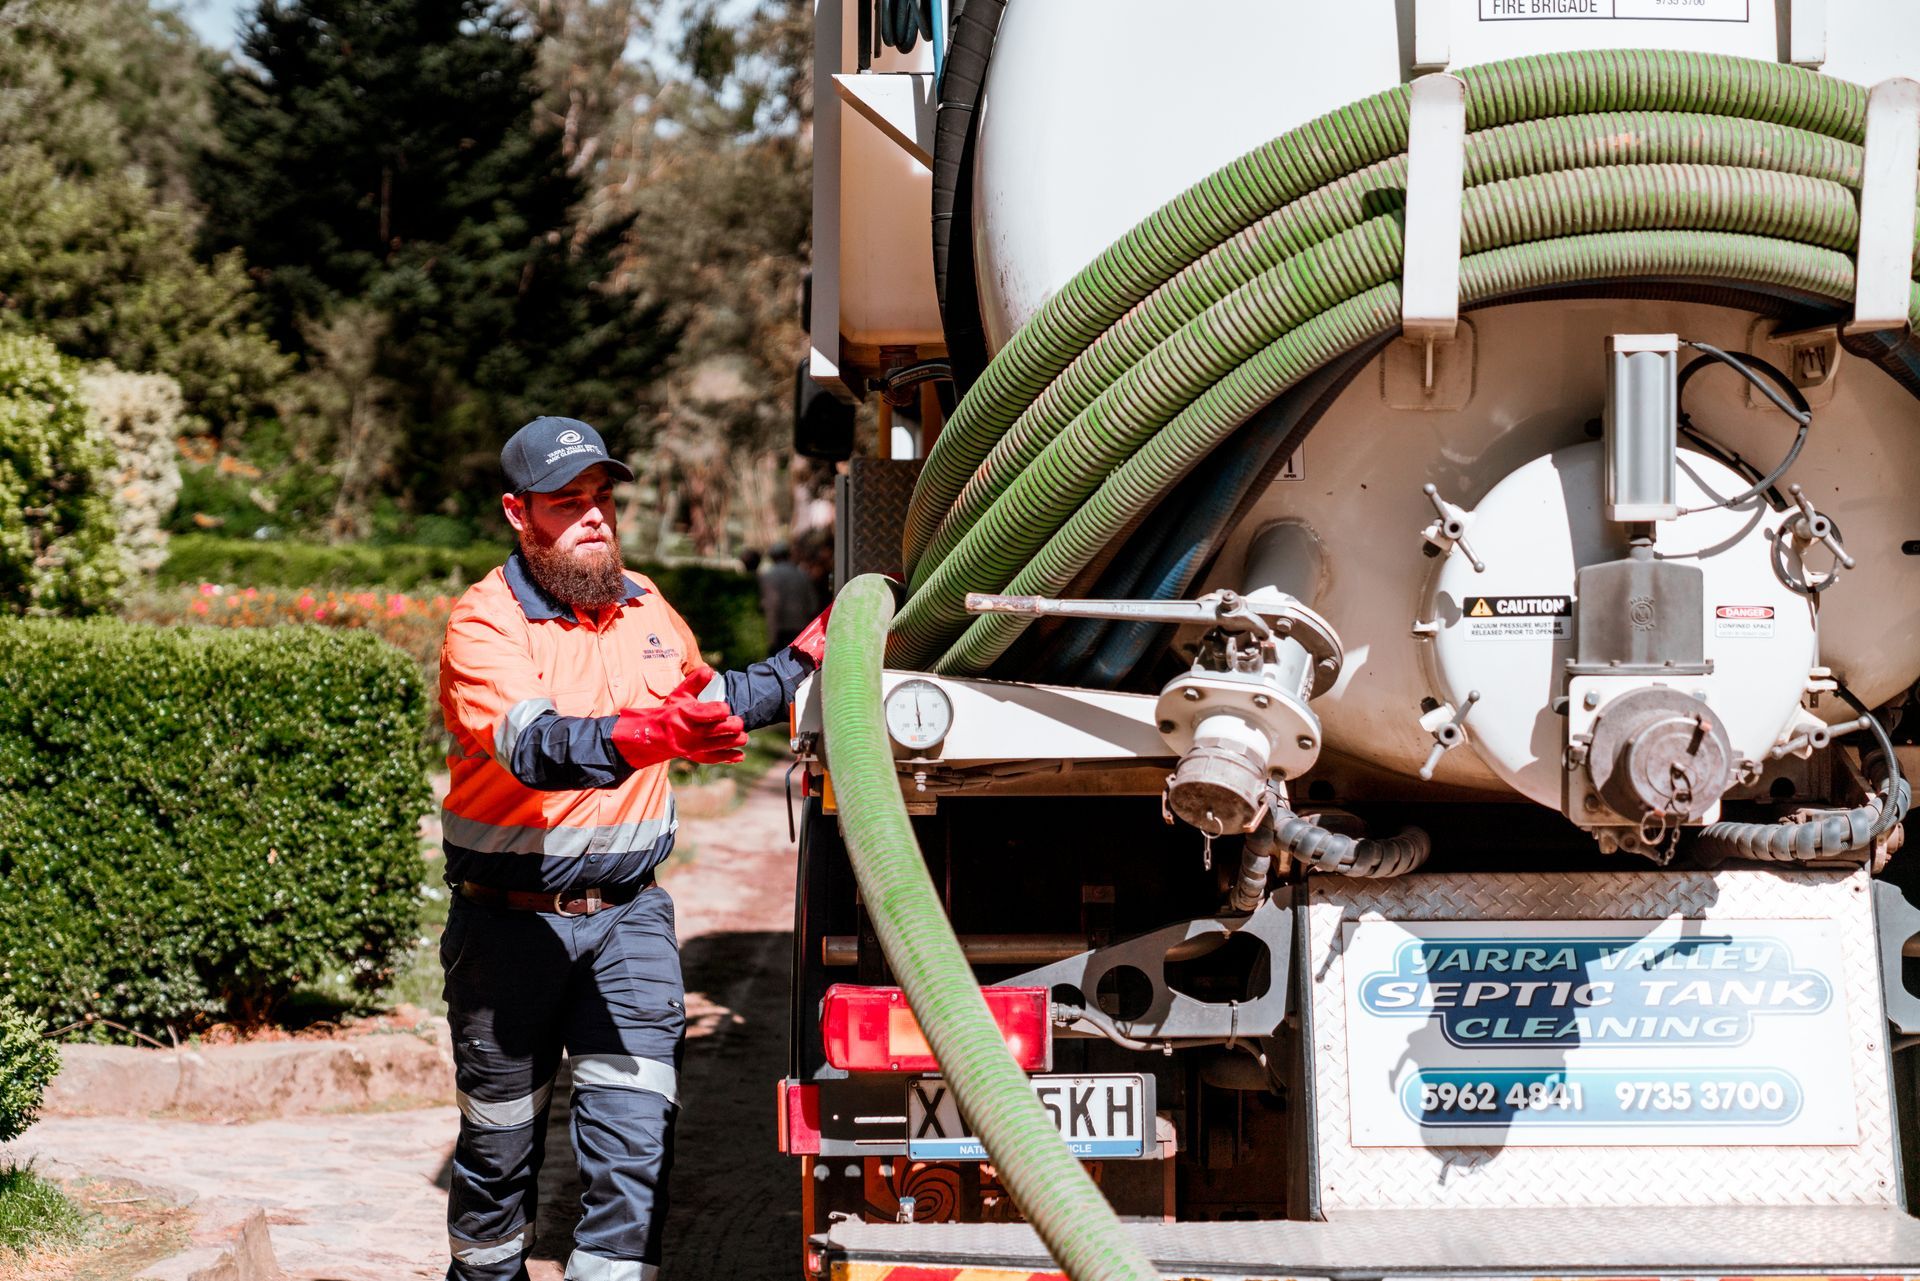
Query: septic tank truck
[[1370, 703]]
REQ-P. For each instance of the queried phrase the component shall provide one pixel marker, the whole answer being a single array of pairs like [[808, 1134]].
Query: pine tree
[[387, 152]]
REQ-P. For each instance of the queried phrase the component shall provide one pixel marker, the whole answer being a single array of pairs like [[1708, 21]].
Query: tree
[[97, 250], [387, 152], [722, 219]]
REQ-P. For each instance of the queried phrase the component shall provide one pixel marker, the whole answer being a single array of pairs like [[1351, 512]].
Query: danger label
[[1519, 617], [1621, 10], [1743, 622]]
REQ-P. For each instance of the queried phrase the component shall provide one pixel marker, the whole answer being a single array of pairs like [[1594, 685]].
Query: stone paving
[[362, 1197]]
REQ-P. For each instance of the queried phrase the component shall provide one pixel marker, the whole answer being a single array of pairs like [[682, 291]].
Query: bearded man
[[567, 685]]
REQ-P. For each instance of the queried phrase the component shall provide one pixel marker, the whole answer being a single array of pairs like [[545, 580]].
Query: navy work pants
[[521, 986]]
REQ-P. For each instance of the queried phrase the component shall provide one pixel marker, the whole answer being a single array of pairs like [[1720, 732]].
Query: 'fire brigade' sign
[[1597, 1033]]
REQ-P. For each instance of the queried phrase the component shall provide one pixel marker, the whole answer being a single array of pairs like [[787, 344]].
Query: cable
[[1799, 410], [1894, 773]]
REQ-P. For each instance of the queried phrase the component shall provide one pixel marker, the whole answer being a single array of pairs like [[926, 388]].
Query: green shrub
[[28, 1062], [246, 562], [722, 607], [57, 550], [194, 821]]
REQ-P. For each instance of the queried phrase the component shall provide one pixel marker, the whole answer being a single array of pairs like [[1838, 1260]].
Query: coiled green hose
[[1046, 1181], [1618, 165]]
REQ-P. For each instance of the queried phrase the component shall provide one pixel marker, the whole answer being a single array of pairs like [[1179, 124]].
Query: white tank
[[1095, 114]]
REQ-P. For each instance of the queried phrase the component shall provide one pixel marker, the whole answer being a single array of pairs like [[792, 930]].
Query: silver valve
[[1448, 736], [1811, 527], [1224, 609], [1818, 739], [1270, 620], [1450, 531]]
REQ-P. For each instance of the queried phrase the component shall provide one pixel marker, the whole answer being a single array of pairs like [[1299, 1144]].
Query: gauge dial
[[919, 714]]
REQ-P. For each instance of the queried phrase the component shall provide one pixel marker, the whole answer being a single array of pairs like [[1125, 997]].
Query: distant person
[[787, 597], [750, 560], [568, 685]]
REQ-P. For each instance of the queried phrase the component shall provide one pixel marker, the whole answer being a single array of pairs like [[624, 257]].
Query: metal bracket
[[1173, 1015], [1807, 33], [1898, 923], [1432, 34], [1436, 171], [1890, 184]]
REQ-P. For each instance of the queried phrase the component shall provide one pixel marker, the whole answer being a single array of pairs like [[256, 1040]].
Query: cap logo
[[568, 438]]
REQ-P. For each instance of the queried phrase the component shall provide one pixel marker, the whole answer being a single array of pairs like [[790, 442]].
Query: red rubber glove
[[683, 727], [812, 640]]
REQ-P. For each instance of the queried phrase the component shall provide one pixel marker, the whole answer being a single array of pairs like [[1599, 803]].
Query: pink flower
[[306, 602], [208, 589], [199, 607], [252, 593]]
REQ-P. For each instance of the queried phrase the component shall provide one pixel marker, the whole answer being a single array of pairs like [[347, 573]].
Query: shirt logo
[[657, 648]]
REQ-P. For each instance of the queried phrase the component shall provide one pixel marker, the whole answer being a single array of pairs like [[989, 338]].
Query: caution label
[[1620, 10], [1518, 617], [1743, 622]]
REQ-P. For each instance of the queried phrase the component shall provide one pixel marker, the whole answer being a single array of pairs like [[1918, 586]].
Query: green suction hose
[[1322, 152], [1046, 1181], [1581, 168]]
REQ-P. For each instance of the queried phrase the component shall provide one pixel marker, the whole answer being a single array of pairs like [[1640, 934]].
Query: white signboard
[[1597, 1033], [1643, 10]]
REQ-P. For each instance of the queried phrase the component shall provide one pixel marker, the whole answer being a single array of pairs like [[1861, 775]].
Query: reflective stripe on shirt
[[514, 723], [557, 842]]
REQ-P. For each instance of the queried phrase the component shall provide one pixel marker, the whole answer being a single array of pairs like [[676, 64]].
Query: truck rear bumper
[[1826, 1241]]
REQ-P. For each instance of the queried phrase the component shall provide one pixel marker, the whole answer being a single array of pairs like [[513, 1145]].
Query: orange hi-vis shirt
[[539, 797]]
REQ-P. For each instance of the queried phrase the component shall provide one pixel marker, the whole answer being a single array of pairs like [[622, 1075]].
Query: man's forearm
[[760, 694]]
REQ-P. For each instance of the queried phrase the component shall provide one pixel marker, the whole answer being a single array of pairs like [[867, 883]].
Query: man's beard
[[586, 578]]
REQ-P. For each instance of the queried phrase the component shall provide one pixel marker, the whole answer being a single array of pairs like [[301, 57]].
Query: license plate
[[1105, 1117]]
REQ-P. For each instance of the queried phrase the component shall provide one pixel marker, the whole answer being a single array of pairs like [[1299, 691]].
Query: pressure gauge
[[919, 714]]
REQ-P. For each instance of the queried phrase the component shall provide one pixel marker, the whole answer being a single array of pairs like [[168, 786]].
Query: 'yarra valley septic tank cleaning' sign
[[1597, 1033]]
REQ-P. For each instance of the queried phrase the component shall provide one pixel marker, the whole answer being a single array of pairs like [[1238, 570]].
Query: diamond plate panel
[[1735, 1242], [1483, 1177], [874, 517]]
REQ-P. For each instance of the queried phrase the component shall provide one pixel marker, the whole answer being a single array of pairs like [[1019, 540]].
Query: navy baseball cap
[[548, 452]]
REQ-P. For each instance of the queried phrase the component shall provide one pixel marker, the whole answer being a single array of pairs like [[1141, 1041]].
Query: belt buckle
[[593, 901]]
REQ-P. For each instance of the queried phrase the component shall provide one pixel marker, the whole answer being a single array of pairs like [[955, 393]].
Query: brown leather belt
[[566, 903]]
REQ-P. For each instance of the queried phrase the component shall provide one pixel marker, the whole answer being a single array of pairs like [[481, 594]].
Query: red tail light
[[872, 1029]]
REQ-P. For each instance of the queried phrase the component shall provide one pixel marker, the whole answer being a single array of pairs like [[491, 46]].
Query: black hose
[[1751, 367], [963, 78], [904, 22], [1830, 835], [1326, 851], [1256, 865]]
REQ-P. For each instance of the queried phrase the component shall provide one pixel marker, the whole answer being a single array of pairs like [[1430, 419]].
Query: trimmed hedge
[[722, 606], [193, 822], [247, 562], [28, 1062]]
